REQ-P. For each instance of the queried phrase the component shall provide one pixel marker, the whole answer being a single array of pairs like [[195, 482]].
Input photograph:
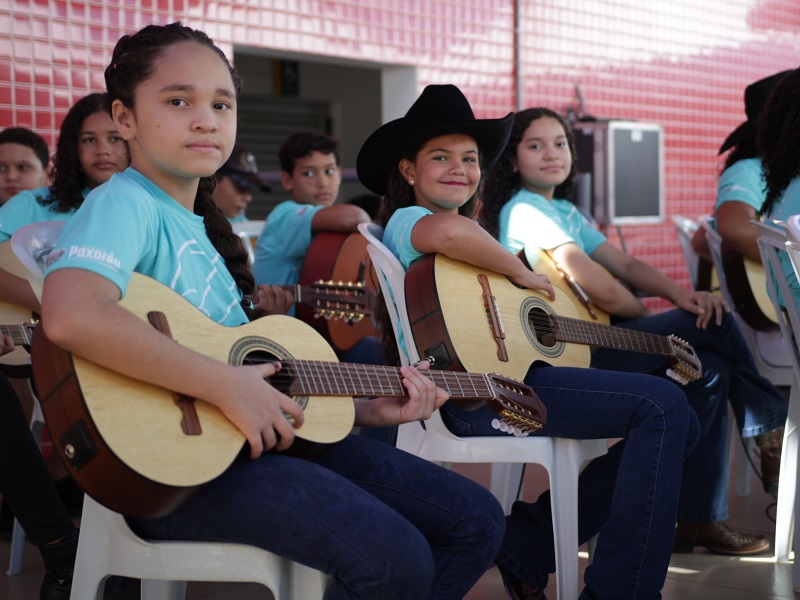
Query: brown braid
[[228, 244]]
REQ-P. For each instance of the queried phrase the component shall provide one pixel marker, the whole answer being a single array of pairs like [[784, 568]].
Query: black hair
[[503, 179], [68, 178], [400, 194], [26, 137], [779, 137], [132, 63], [303, 143]]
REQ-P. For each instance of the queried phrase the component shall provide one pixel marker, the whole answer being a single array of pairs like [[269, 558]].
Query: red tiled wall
[[683, 63]]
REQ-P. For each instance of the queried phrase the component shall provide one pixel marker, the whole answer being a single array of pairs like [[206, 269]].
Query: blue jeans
[[382, 523], [629, 496], [729, 375]]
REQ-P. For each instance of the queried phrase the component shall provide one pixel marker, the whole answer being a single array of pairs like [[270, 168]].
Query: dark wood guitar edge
[[431, 337], [81, 447], [745, 303]]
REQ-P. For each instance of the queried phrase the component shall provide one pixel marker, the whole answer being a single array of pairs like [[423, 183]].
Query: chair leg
[[17, 549], [505, 483], [157, 589], [787, 489], [564, 507]]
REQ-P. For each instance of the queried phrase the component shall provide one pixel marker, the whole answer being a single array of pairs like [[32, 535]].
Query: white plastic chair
[[107, 546], [768, 348], [249, 231], [562, 458], [769, 352], [771, 243], [49, 236], [686, 228]]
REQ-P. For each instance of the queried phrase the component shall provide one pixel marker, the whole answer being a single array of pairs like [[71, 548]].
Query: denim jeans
[[729, 375], [629, 496], [25, 482], [382, 523]]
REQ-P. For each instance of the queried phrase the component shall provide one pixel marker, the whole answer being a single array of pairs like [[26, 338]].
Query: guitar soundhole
[[256, 351], [542, 327], [281, 381]]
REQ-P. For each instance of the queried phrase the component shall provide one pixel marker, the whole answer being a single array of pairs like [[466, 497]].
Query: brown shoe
[[769, 446], [718, 538]]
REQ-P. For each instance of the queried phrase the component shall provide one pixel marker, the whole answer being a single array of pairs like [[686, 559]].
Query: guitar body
[[17, 362], [118, 434], [541, 262], [747, 285], [338, 257], [445, 303]]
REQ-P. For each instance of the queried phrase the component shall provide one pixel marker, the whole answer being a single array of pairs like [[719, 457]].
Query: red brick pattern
[[683, 63]]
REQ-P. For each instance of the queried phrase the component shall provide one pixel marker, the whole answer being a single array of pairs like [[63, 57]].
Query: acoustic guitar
[[17, 362], [335, 258], [747, 286], [142, 450], [474, 320]]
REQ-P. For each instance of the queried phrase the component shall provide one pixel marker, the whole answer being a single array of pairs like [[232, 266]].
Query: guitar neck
[[605, 336], [319, 378], [18, 333]]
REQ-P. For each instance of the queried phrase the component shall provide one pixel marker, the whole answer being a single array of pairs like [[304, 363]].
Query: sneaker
[[769, 446], [516, 589]]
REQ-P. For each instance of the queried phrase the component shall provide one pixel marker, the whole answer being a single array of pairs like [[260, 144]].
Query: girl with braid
[[382, 523]]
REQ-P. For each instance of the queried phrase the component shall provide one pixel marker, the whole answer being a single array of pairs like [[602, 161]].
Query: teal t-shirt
[[528, 218], [283, 243], [743, 182], [24, 209], [788, 205], [129, 224], [397, 238]]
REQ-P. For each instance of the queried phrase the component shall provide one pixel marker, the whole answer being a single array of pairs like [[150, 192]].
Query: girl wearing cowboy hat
[[428, 166]]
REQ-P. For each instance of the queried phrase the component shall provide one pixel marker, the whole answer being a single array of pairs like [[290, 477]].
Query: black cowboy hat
[[755, 97], [440, 110]]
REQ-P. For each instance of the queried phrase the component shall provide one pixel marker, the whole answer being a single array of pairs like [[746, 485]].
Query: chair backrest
[[391, 276], [32, 244], [249, 231], [772, 241], [792, 229], [686, 228], [715, 246]]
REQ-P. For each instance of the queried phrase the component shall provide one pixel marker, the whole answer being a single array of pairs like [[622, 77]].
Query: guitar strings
[[594, 333], [369, 378]]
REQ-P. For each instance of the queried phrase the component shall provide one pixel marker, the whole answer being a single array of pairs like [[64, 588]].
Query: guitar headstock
[[686, 366], [340, 300], [519, 409]]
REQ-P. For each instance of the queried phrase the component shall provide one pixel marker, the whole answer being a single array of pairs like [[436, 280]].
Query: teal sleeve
[[743, 182], [107, 236], [397, 236]]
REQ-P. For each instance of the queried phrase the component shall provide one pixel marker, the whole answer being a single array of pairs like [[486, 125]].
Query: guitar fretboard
[[346, 379], [18, 333], [569, 329]]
